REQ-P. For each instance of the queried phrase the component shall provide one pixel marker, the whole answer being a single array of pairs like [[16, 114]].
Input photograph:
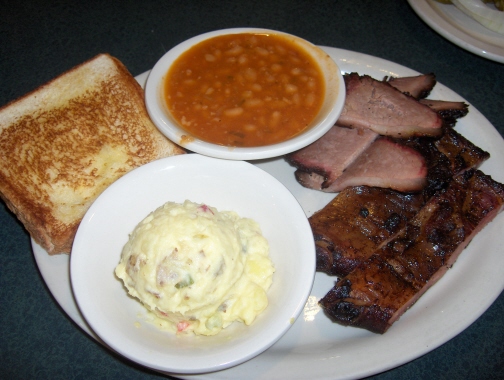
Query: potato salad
[[197, 269]]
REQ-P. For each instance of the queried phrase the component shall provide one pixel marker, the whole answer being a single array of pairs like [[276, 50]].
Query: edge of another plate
[[443, 23]]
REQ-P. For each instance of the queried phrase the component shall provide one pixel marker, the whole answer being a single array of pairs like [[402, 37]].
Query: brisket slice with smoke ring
[[378, 106], [387, 164], [350, 157], [328, 157]]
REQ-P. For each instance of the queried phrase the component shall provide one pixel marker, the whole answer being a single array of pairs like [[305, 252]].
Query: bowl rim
[[85, 272], [159, 114]]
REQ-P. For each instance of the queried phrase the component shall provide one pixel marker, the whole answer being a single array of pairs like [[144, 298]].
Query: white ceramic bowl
[[329, 113], [227, 185]]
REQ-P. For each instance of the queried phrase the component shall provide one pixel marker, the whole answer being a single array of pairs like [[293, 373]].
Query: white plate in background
[[459, 28]]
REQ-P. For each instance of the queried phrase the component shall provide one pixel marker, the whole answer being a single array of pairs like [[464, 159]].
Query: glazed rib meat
[[446, 157], [377, 292], [378, 106], [356, 223]]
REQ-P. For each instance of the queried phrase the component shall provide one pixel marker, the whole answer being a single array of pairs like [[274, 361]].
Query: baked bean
[[276, 67], [261, 51], [253, 102], [235, 50], [290, 88], [237, 111], [210, 57], [250, 74]]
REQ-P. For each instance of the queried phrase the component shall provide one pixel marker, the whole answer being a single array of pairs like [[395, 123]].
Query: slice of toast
[[62, 144]]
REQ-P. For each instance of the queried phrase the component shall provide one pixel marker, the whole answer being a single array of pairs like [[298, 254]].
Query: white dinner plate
[[459, 28], [317, 348]]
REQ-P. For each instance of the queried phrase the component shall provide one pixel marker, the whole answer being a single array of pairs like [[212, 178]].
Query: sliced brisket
[[339, 160], [330, 155], [384, 164], [378, 106]]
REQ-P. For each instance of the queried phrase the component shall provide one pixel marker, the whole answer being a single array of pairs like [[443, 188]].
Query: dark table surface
[[39, 40]]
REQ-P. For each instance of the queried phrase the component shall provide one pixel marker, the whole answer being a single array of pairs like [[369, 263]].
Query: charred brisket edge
[[423, 91], [303, 168]]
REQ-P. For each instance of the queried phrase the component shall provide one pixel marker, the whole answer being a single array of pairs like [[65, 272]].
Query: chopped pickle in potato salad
[[197, 269]]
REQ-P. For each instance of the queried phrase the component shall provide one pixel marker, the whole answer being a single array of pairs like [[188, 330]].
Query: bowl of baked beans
[[245, 93]]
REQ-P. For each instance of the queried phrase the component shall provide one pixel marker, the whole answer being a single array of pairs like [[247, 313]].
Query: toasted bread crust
[[64, 143]]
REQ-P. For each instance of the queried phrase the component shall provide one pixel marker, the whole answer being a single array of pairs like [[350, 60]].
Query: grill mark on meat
[[377, 292], [419, 86], [379, 106], [356, 222]]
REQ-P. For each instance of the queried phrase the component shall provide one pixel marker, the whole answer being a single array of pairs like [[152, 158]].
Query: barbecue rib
[[383, 287], [446, 157], [356, 223]]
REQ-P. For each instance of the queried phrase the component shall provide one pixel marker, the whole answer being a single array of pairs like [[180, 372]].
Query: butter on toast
[[62, 144]]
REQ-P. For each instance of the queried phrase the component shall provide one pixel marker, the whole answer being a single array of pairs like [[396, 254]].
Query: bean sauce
[[245, 90]]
